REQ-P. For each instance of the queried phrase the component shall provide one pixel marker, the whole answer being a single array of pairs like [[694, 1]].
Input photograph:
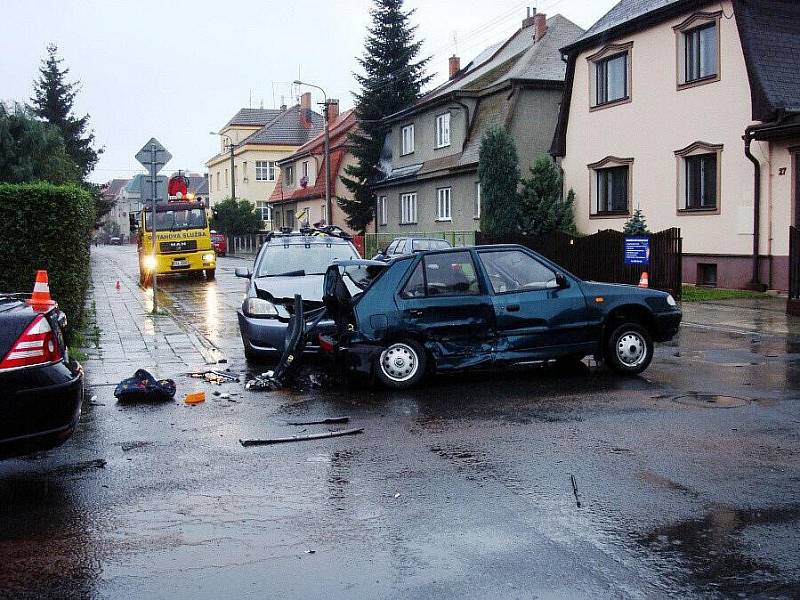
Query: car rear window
[[299, 259], [421, 245]]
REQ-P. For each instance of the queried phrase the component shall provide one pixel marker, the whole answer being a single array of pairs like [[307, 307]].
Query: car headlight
[[671, 300], [258, 307], [149, 262], [208, 257]]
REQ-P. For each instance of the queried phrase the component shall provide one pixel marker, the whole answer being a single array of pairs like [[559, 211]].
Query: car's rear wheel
[[401, 364], [629, 349]]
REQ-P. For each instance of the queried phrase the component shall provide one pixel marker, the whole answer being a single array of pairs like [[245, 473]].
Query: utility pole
[[327, 150], [154, 182], [231, 147]]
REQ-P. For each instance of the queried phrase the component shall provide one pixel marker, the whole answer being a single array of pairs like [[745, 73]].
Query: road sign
[[147, 188], [637, 250], [145, 155]]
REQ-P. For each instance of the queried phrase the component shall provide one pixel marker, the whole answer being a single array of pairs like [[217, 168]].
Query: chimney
[[305, 101], [539, 26], [455, 66], [304, 114], [528, 21], [333, 109]]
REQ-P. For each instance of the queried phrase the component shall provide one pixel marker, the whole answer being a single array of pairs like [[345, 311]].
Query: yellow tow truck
[[183, 240]]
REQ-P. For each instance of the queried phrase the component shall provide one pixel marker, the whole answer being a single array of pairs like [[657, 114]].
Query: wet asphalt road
[[460, 489]]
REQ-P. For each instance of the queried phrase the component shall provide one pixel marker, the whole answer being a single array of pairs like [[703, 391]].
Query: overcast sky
[[178, 69]]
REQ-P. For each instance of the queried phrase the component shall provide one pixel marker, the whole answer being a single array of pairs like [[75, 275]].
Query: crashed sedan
[[485, 306]]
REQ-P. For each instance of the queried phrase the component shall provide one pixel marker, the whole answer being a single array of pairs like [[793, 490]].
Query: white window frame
[[408, 208], [289, 170], [443, 130], [383, 216], [477, 206], [265, 170], [305, 168], [407, 141], [262, 207], [324, 213], [444, 204]]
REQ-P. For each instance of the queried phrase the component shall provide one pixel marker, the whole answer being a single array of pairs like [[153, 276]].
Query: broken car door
[[443, 304], [538, 312]]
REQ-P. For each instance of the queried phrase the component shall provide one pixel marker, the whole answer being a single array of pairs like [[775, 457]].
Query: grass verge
[[693, 293]]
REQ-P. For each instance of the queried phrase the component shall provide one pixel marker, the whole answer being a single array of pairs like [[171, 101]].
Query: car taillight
[[36, 346]]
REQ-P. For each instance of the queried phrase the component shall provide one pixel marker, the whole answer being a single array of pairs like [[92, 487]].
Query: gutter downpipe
[[755, 283]]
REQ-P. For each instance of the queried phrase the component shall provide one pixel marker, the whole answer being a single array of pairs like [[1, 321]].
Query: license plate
[[181, 262]]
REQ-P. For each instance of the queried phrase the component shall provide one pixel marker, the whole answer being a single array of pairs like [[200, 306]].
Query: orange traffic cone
[[644, 282], [40, 299], [118, 285]]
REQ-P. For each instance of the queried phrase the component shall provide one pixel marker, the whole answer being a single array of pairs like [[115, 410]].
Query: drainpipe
[[755, 281]]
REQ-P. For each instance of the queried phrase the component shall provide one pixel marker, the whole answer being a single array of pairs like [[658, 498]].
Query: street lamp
[[327, 150], [231, 147]]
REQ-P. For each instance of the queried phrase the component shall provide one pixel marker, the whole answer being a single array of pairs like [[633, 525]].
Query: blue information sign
[[637, 250]]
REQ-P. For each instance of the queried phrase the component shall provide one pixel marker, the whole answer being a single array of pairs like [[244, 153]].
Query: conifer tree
[[498, 173], [542, 208], [392, 80], [53, 101], [636, 225]]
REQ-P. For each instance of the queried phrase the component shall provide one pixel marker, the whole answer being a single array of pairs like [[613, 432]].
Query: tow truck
[[182, 235]]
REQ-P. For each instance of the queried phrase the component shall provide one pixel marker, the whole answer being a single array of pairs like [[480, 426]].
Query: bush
[[46, 226], [498, 172], [235, 217]]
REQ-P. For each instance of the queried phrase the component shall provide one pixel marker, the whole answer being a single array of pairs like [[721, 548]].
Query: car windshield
[[298, 260], [431, 245], [363, 275], [194, 218]]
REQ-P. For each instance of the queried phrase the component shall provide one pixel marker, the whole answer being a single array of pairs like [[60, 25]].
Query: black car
[[486, 306], [40, 387], [409, 245]]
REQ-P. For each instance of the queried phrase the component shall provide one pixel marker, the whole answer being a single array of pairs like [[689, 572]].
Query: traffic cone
[[644, 282], [40, 298], [118, 285]]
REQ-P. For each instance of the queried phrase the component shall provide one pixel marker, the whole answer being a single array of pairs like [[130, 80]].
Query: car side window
[[391, 247], [450, 274], [400, 249], [415, 287], [514, 270]]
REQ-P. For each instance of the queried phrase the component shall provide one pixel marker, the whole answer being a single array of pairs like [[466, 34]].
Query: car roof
[[301, 239]]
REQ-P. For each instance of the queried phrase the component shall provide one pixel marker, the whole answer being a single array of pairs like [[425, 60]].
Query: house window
[[701, 181], [324, 214], [612, 191], [289, 175], [408, 208], [265, 210], [407, 140], [305, 168], [217, 180], [235, 172], [611, 79], [701, 52], [383, 216], [265, 170], [707, 274], [443, 130], [443, 204], [476, 211], [226, 177], [244, 171]]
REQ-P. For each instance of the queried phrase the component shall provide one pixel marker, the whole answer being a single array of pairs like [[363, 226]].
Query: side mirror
[[561, 281], [243, 272]]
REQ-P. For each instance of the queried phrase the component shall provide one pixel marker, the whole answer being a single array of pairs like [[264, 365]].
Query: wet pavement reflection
[[688, 477]]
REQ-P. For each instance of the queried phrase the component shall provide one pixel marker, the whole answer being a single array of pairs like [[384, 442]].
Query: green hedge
[[45, 226]]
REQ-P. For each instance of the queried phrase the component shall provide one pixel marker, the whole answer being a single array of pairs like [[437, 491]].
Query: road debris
[[330, 421], [575, 490], [216, 377], [301, 438], [193, 398], [144, 387]]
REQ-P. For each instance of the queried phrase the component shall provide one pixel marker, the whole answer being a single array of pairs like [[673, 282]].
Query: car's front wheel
[[211, 274], [401, 364], [629, 349]]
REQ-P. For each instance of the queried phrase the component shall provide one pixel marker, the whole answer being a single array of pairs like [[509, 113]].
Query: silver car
[[287, 264]]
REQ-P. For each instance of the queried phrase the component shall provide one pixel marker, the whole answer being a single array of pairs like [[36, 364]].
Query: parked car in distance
[[286, 264], [486, 306], [115, 241], [409, 245], [40, 387], [219, 243]]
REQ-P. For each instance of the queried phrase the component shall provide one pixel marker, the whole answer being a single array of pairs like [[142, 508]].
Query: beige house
[[661, 96], [251, 144]]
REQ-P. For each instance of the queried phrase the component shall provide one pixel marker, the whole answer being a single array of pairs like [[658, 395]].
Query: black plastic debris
[[143, 387]]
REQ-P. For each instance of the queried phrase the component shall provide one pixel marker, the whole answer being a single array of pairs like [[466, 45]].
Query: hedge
[[45, 226]]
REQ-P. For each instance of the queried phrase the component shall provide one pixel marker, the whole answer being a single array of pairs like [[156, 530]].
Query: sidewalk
[[130, 337], [743, 315]]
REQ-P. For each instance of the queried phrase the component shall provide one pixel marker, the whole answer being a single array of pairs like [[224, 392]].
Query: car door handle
[[512, 307], [415, 312]]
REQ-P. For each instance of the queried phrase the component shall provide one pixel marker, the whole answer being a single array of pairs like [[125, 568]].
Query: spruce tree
[[542, 208], [392, 80], [498, 173], [636, 225], [53, 100]]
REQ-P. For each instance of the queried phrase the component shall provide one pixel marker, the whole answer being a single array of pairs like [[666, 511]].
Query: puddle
[[715, 555], [711, 401]]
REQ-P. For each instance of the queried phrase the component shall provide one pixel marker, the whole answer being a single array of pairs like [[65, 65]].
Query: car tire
[[211, 274], [401, 364], [629, 349]]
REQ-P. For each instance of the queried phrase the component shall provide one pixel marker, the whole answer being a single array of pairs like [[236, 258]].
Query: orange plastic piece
[[195, 398]]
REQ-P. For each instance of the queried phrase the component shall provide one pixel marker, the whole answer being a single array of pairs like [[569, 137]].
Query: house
[[301, 183], [690, 111], [429, 164], [112, 192], [252, 143]]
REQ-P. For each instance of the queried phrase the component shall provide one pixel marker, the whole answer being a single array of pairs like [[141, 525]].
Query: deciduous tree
[[235, 217]]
